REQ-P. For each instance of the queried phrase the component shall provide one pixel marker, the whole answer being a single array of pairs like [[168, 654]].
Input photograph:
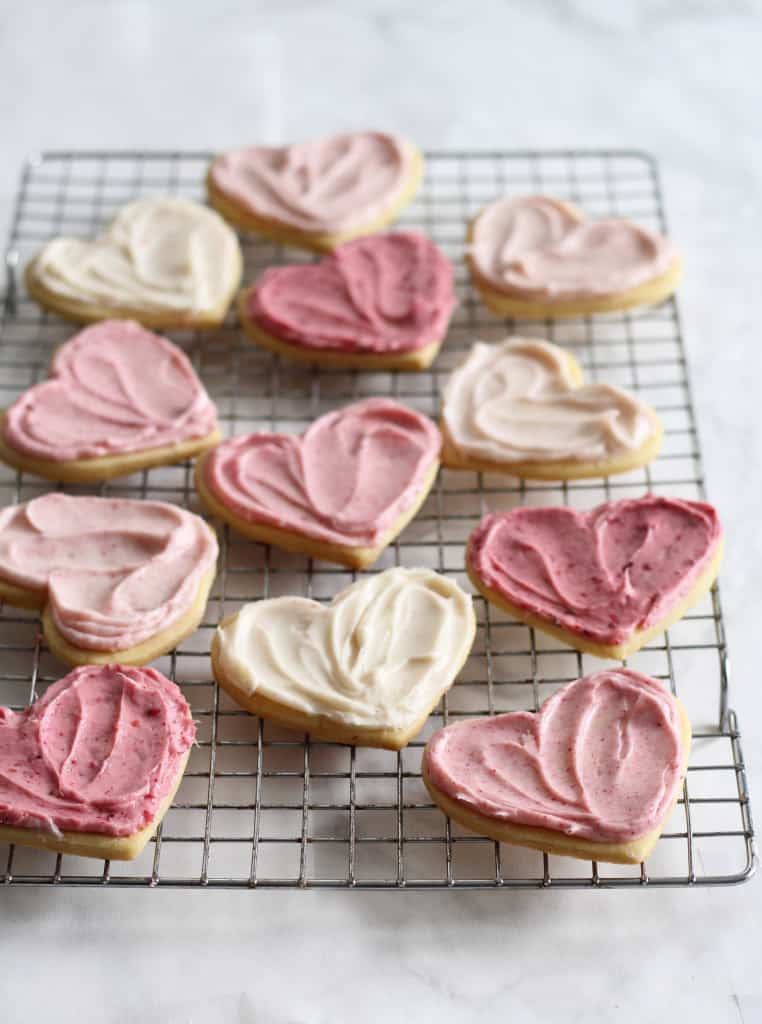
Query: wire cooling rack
[[264, 807]]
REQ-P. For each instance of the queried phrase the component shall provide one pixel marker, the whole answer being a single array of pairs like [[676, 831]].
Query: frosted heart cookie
[[593, 774], [381, 303], [316, 194], [341, 492], [117, 580], [535, 258], [604, 581], [366, 669], [520, 407], [164, 261], [92, 767], [118, 399]]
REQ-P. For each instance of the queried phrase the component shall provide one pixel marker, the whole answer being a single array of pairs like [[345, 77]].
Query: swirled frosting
[[539, 247], [600, 761], [346, 480], [328, 185], [378, 656], [382, 293], [158, 255], [601, 574], [115, 571], [99, 399], [519, 402], [99, 752]]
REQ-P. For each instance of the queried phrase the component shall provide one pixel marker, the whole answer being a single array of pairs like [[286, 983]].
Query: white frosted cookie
[[536, 258], [366, 669], [316, 194], [521, 407], [164, 261]]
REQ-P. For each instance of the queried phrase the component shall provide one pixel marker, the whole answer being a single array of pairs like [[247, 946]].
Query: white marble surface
[[679, 79]]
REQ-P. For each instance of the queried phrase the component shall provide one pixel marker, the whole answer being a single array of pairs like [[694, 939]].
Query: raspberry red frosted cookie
[[534, 258], [380, 302], [521, 407], [164, 261], [118, 580], [366, 669], [316, 194], [100, 414], [341, 492], [593, 774], [604, 581], [93, 765]]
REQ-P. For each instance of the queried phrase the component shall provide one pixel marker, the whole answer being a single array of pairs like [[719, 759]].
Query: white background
[[681, 79]]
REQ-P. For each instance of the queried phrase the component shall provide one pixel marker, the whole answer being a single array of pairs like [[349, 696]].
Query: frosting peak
[[99, 752], [382, 293], [99, 400], [600, 761], [540, 247], [328, 185], [116, 571]]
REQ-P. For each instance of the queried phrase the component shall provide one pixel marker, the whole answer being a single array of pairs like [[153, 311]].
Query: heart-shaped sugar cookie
[[118, 580], [593, 774], [319, 193], [100, 415], [166, 262], [342, 491], [380, 302], [603, 581], [520, 407], [91, 767], [535, 257], [367, 669]]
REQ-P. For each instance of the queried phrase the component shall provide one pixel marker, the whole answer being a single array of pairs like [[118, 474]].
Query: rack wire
[[263, 807]]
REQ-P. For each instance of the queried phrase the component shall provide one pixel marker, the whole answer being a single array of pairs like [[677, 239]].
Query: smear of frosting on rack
[[346, 480], [601, 574], [328, 185], [99, 752], [113, 388], [382, 293], [539, 247], [600, 761], [378, 656], [519, 401], [116, 571], [160, 254]]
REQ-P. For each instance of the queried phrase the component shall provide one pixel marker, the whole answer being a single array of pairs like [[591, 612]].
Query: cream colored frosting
[[518, 402], [379, 656], [158, 254], [538, 247]]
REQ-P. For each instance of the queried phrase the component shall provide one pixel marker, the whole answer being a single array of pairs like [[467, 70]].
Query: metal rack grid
[[264, 807]]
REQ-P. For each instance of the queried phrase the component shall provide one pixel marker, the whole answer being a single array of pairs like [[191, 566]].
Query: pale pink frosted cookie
[[594, 774], [536, 257], [603, 581], [92, 766], [320, 193], [118, 399], [118, 580], [379, 302], [341, 492]]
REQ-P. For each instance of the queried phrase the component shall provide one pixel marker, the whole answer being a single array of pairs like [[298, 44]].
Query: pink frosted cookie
[[117, 580], [118, 399], [316, 194], [341, 492], [594, 774], [535, 258], [93, 765], [380, 302], [604, 581]]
